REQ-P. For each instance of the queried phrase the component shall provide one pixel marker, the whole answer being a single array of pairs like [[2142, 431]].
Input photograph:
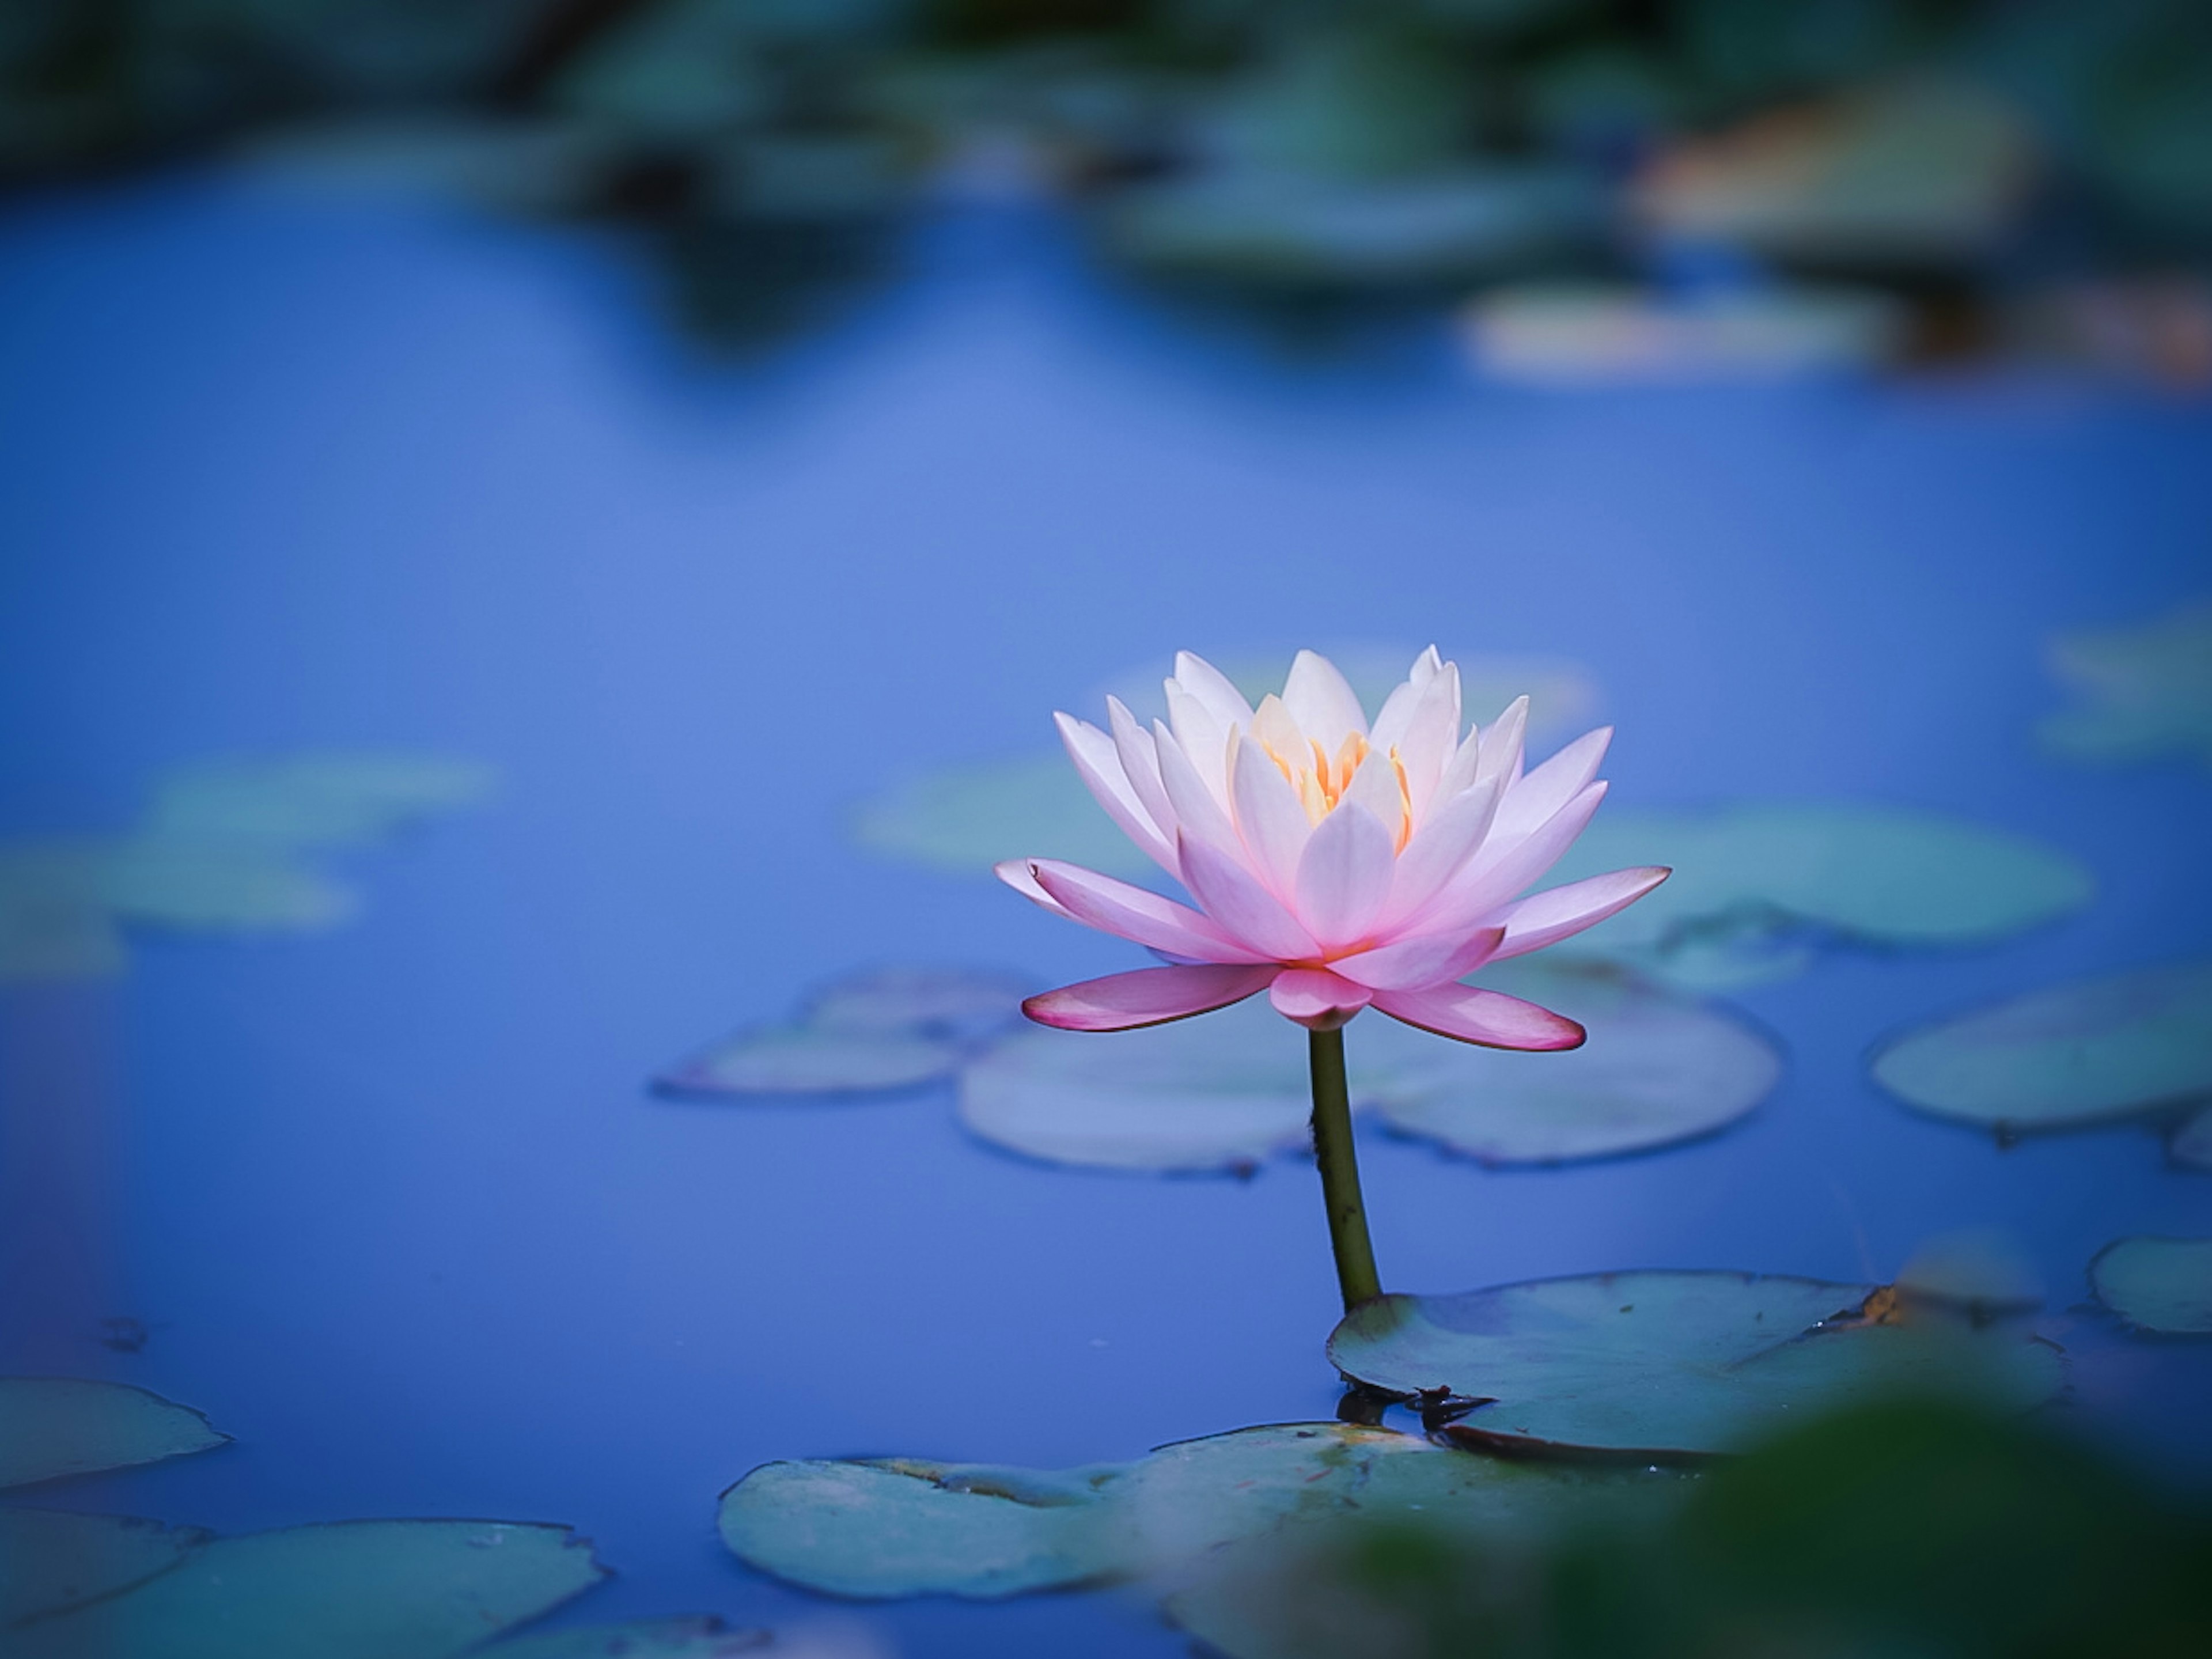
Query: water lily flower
[[1335, 863]]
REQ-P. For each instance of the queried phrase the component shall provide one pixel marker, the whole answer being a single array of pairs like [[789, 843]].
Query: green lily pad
[[1227, 1091], [2159, 1284], [894, 1527], [53, 1426], [352, 1589], [2145, 691], [1756, 888], [53, 923], [1665, 1365], [52, 1560], [1659, 1068], [311, 800], [2191, 1145], [700, 1637], [2075, 1055]]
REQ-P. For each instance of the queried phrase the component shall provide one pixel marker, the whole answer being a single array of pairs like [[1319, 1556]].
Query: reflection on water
[[392, 1204]]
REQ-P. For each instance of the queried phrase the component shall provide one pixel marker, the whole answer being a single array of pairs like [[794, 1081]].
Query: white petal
[[1496, 875], [1198, 814], [1461, 770], [1269, 818], [1017, 875], [1235, 901], [1322, 701], [1136, 914], [1345, 876], [1140, 764], [1211, 688], [1439, 851], [1205, 740], [1376, 786], [1550, 786], [1502, 742], [1547, 918], [1429, 739], [1414, 964], [1100, 764]]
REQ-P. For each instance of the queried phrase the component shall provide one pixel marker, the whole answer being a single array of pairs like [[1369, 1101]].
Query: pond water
[[394, 1202]]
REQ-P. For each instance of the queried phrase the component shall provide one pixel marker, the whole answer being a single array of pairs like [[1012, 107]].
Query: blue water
[[282, 473]]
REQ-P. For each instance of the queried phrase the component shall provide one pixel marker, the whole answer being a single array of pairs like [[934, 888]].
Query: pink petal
[[1140, 764], [1316, 997], [1502, 743], [1547, 918], [1100, 764], [1489, 1018], [1496, 876], [1131, 913], [1322, 701], [1550, 786], [1236, 903], [1439, 851], [1205, 741], [1272, 823], [1017, 875], [1428, 739], [1345, 874], [1148, 996], [1211, 688], [1412, 964], [1198, 813]]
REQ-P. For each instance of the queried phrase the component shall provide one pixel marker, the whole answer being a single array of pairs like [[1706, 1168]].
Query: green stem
[[1339, 1171]]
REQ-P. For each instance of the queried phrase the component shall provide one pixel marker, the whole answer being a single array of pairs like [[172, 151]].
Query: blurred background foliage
[[1309, 149]]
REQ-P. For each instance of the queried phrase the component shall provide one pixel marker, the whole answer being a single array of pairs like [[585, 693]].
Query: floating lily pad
[[2073, 1057], [52, 1426], [2160, 1284], [54, 924], [2191, 1144], [1658, 1068], [955, 1004], [1756, 888], [801, 1059], [884, 1528], [702, 1637], [215, 886], [353, 1589], [1981, 1270], [52, 1559], [1228, 1091], [1664, 1365], [312, 800], [2146, 691]]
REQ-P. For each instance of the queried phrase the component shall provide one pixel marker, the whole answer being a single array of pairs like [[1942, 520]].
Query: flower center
[[1321, 785]]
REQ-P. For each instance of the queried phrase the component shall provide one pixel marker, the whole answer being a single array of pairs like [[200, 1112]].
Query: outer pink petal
[[1345, 875], [1489, 1018], [1550, 786], [1017, 875], [1148, 996], [1272, 823], [1316, 997], [1140, 764], [1413, 963], [1547, 918], [1493, 878], [1131, 913], [1237, 904], [1100, 764], [1321, 701], [1439, 851]]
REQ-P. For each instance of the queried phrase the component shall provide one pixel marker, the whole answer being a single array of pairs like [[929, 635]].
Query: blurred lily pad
[[1666, 1364], [219, 886], [2157, 1284], [1982, 1270], [892, 1527], [53, 923], [2191, 1144], [352, 1589], [2073, 1056], [52, 1559], [2145, 691], [958, 1004], [52, 1426], [1659, 1068], [1567, 336], [1757, 889], [700, 1637], [311, 800]]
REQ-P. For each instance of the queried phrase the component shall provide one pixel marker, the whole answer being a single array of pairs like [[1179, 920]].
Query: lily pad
[[2073, 1057], [54, 1426], [893, 1527], [700, 1637], [1981, 1270], [312, 800], [1665, 1365], [52, 1560], [1228, 1091], [2191, 1144], [352, 1590], [2145, 691], [219, 886], [1659, 1068], [53, 922], [1757, 887], [961, 1005], [801, 1059], [2157, 1284]]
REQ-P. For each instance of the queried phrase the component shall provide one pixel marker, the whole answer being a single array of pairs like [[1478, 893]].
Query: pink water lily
[[1333, 864]]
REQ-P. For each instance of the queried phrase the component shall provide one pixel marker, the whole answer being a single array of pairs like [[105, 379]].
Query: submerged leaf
[[52, 1560], [1754, 886], [2146, 691], [352, 1589], [52, 1426], [1661, 1364], [2072, 1056], [311, 800], [1658, 1068], [881, 1527], [2160, 1284]]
